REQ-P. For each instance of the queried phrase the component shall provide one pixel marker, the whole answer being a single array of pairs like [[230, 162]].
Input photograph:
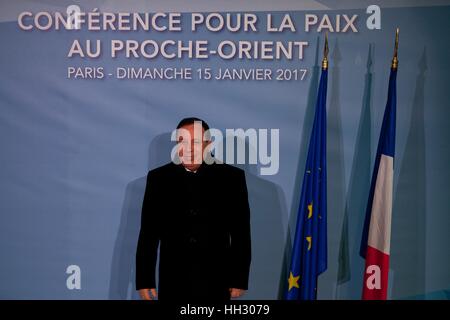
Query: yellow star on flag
[[309, 239], [293, 281]]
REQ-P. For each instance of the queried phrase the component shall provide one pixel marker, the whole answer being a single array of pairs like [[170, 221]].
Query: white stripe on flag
[[380, 221]]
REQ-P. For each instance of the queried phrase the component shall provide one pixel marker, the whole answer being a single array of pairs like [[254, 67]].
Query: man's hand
[[236, 293], [148, 294]]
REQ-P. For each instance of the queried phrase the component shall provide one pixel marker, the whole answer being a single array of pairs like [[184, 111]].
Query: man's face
[[191, 145]]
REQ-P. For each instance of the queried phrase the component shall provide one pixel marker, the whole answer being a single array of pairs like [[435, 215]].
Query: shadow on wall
[[336, 185], [265, 200], [349, 261], [122, 281], [409, 207], [267, 210]]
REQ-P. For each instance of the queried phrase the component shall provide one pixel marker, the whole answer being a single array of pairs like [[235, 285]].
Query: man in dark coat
[[198, 215]]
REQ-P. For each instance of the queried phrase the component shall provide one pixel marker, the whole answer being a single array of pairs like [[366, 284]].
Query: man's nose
[[189, 148]]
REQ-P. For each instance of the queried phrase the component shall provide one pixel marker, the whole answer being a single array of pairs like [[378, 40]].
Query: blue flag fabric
[[309, 252]]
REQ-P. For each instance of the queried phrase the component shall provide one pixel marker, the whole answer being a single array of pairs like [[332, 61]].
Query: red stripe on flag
[[375, 275]]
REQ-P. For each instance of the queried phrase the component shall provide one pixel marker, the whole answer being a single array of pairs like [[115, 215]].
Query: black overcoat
[[201, 224]]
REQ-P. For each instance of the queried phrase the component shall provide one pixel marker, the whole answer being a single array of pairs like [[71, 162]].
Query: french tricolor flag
[[376, 239]]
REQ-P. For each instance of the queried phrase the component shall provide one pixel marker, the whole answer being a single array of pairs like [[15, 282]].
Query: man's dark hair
[[191, 120]]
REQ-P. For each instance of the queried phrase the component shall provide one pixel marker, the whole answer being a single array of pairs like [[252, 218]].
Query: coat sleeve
[[240, 236], [147, 247]]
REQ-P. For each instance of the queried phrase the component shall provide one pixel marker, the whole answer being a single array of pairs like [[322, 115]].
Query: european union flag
[[309, 253]]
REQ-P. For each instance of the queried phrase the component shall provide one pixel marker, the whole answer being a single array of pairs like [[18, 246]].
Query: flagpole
[[325, 53], [394, 64]]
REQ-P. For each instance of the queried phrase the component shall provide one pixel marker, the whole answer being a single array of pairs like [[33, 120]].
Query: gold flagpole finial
[[394, 64], [325, 53]]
